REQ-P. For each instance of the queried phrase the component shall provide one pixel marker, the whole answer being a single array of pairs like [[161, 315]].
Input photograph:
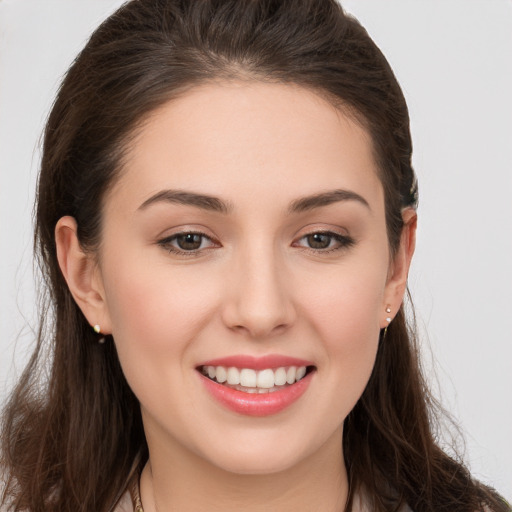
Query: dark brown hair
[[72, 431]]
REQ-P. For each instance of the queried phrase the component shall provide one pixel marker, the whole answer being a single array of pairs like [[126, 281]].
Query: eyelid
[[166, 241], [345, 241]]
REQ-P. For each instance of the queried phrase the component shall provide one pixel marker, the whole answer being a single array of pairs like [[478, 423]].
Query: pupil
[[319, 241], [189, 241]]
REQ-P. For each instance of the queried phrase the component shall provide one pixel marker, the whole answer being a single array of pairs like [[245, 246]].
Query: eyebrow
[[324, 199], [202, 201], [212, 203]]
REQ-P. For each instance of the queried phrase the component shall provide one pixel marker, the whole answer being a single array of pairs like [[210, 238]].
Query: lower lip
[[253, 404]]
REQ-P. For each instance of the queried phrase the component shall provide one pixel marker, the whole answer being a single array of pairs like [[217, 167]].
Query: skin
[[255, 286]]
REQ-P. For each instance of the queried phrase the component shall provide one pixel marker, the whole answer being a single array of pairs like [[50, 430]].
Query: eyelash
[[344, 242], [166, 243]]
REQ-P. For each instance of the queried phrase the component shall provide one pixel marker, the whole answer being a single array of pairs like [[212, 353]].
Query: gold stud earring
[[97, 330]]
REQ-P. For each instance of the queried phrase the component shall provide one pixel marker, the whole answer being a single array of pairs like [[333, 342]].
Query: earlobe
[[81, 273], [399, 270]]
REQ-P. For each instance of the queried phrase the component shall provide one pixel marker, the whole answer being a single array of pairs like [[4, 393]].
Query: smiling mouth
[[263, 381]]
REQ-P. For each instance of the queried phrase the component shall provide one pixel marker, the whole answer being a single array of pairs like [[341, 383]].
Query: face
[[246, 236]]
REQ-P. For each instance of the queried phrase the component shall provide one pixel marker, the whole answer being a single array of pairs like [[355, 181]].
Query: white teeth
[[221, 374], [301, 371], [280, 377], [266, 379], [248, 378], [260, 391], [291, 374], [252, 381], [233, 376]]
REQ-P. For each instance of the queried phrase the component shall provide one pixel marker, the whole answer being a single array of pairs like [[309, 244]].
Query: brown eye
[[325, 242], [189, 241], [319, 240]]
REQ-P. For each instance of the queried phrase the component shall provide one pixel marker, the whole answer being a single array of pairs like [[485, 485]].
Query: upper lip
[[256, 363]]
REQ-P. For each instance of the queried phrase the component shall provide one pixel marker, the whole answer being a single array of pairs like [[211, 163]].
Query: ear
[[82, 274], [399, 267]]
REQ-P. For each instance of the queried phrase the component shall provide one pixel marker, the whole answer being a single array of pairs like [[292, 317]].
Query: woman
[[226, 218]]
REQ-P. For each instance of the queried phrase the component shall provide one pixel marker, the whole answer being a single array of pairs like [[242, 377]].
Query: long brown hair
[[72, 431]]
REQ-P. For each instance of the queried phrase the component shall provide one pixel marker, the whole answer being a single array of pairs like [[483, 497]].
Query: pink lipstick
[[256, 386], [257, 363]]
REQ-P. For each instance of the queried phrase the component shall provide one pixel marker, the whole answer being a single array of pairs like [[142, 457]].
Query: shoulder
[[125, 504]]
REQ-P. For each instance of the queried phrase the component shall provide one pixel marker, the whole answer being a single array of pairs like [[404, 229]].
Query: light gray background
[[454, 61]]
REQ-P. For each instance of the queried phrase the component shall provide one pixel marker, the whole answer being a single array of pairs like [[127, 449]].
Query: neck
[[183, 481]]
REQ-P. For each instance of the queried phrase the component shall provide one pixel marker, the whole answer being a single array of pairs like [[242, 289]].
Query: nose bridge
[[260, 300]]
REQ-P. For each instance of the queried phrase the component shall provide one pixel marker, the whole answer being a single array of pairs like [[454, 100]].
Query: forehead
[[248, 139]]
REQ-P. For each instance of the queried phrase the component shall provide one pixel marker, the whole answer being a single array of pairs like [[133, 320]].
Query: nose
[[259, 299]]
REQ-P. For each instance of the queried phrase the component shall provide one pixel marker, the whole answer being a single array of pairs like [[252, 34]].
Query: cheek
[[156, 311], [157, 315], [345, 311], [346, 303]]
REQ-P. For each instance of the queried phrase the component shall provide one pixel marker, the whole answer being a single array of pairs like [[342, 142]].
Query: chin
[[262, 454], [257, 465]]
